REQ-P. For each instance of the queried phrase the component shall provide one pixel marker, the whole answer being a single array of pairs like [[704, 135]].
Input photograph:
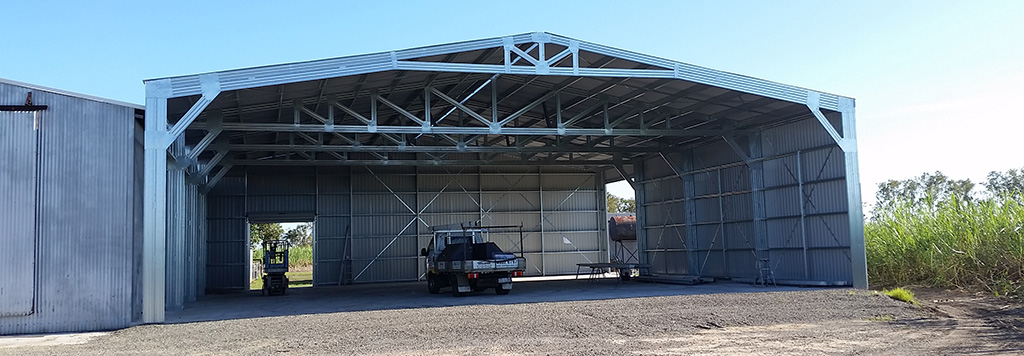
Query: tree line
[[300, 235], [935, 189]]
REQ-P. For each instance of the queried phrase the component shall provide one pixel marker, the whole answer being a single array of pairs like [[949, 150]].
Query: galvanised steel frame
[[583, 132]]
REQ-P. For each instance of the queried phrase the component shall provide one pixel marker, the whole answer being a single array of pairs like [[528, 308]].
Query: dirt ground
[[800, 322]]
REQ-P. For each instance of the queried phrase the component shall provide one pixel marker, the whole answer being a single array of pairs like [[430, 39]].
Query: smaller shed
[[70, 170]]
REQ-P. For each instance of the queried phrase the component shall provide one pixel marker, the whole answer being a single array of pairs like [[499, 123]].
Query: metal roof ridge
[[370, 54], [658, 58], [469, 45], [71, 93]]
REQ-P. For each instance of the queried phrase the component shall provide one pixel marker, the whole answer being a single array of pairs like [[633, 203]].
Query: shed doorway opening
[[295, 237]]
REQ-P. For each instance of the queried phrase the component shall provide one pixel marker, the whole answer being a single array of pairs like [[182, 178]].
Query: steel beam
[[210, 84], [813, 99], [439, 149], [213, 123], [451, 130], [759, 208], [418, 162], [216, 178]]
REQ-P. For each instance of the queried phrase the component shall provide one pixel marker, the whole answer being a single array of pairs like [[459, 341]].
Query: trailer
[[466, 260]]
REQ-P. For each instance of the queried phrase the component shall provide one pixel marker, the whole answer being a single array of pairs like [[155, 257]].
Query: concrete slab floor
[[407, 295]]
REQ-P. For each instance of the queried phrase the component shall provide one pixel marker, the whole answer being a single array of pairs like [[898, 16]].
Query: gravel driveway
[[832, 321]]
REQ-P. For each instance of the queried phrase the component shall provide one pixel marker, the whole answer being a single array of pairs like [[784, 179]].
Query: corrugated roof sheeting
[[85, 257]]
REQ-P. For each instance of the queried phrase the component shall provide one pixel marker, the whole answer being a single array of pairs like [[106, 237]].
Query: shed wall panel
[[227, 240], [17, 212], [84, 214], [801, 191]]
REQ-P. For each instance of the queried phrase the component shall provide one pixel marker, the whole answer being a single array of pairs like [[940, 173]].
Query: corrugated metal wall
[[370, 222], [17, 212], [701, 209], [227, 238], [805, 191], [85, 209], [186, 239], [177, 210]]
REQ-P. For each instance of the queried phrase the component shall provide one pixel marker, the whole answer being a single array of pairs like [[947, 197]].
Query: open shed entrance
[[729, 171], [298, 238]]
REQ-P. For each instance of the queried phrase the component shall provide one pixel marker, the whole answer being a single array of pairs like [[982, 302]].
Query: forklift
[[275, 265]]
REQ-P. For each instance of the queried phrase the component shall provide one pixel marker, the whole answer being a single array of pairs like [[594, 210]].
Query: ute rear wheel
[[433, 285], [501, 290]]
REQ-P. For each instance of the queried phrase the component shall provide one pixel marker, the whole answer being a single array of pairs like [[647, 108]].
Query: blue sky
[[938, 84]]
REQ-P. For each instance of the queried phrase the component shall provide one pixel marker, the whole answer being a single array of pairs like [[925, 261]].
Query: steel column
[[155, 203], [641, 211], [803, 213], [689, 205], [176, 234], [760, 223], [858, 257]]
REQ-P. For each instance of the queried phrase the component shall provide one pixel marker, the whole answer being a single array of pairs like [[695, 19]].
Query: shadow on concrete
[[408, 295]]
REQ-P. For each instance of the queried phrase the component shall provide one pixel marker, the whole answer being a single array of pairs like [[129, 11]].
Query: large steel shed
[[729, 170]]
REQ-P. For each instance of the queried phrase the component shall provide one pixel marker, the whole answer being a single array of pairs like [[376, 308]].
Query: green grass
[[959, 244], [298, 256], [295, 280], [901, 294], [887, 318]]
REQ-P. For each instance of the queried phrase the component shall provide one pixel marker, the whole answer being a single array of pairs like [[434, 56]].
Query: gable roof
[[412, 59]]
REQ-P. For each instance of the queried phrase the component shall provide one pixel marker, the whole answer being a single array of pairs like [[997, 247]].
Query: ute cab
[[444, 238]]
